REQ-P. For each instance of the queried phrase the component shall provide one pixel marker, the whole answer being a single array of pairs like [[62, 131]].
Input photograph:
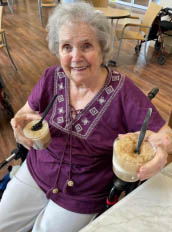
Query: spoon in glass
[[143, 130], [38, 125]]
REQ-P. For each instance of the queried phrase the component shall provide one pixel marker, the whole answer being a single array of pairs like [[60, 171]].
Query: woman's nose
[[76, 54]]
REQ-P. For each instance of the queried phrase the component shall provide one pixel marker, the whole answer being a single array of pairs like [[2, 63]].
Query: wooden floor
[[28, 46]]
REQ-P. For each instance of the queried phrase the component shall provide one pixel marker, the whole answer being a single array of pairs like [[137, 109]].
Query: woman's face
[[80, 52]]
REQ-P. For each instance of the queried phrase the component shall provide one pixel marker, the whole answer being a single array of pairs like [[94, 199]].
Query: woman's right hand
[[19, 122]]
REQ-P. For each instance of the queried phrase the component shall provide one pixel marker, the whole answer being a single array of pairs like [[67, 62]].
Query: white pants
[[24, 206]]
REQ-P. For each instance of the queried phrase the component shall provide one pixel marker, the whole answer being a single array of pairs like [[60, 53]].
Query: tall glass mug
[[41, 138], [126, 162]]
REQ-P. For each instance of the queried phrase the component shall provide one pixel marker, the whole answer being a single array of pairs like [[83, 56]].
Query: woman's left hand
[[155, 165], [162, 140]]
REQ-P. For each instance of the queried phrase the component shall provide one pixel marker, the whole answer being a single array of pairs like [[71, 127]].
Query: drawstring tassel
[[69, 183]]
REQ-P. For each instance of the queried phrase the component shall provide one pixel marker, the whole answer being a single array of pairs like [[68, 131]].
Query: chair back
[[170, 120], [1, 12], [100, 3], [47, 1], [150, 15]]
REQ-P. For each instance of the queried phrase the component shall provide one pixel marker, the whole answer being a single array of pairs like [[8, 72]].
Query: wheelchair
[[4, 102], [164, 36], [20, 152], [161, 33]]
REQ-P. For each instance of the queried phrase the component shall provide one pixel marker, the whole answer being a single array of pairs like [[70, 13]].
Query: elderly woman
[[61, 188]]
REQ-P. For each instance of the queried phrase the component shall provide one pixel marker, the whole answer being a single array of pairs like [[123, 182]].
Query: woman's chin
[[79, 78], [80, 75]]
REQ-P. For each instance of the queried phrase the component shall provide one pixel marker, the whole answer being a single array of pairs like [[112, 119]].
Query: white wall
[[166, 3]]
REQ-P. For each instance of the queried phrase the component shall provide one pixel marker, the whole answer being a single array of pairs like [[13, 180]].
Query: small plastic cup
[[126, 162], [41, 138]]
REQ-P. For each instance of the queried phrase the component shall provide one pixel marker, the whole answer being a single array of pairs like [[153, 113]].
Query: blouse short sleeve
[[43, 91], [135, 106]]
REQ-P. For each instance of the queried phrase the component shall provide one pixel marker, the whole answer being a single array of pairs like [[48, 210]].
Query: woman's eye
[[87, 46], [67, 47]]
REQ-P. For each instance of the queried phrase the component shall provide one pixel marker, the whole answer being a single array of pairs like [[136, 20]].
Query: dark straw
[[143, 131], [38, 125]]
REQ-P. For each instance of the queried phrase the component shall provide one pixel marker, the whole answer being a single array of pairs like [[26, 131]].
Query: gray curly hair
[[76, 13]]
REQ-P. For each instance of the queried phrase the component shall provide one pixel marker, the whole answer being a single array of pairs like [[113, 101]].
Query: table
[[3, 3], [114, 13], [147, 208]]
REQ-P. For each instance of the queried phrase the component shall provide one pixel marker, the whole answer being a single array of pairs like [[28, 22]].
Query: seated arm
[[129, 17], [132, 25], [135, 25]]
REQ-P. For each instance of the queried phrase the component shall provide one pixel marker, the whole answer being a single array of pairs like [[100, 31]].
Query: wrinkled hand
[[161, 143], [158, 162], [18, 123], [155, 165]]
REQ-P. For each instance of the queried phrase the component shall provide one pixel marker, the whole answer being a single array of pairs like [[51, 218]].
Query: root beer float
[[41, 137], [38, 130], [126, 162]]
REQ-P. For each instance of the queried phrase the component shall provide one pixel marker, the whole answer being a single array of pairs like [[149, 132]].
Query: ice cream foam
[[41, 138], [123, 174]]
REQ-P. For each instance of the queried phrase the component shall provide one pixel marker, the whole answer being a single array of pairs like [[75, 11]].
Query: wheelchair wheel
[[137, 49], [8, 108], [157, 46], [1, 193], [161, 59]]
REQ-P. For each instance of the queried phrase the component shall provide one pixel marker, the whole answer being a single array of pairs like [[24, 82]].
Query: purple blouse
[[75, 171]]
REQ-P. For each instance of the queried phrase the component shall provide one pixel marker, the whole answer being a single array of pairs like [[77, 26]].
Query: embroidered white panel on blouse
[[84, 123]]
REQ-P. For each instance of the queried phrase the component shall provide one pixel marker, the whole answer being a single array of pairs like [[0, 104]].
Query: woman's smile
[[80, 68]]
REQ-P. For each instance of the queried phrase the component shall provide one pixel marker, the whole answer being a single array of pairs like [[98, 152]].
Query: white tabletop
[[147, 209]]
